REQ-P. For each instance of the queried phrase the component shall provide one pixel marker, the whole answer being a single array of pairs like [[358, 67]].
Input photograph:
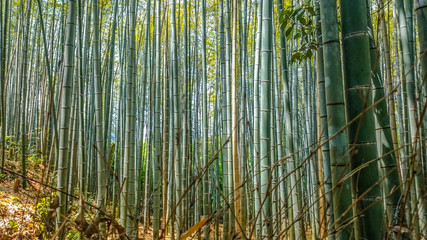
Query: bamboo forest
[[213, 119]]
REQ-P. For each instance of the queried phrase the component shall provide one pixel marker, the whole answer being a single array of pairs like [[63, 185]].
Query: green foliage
[[43, 204], [42, 207], [13, 224], [3, 176], [72, 234], [42, 218], [35, 160], [11, 144], [297, 23]]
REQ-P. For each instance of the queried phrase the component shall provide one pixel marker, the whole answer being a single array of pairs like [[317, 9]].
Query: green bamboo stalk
[[132, 230], [109, 84], [49, 73], [166, 102], [227, 169], [229, 131], [388, 80], [63, 157], [323, 134], [388, 162], [157, 149], [175, 101], [421, 11], [81, 165], [265, 112], [409, 10], [243, 161], [256, 127], [101, 164], [234, 131], [4, 37], [180, 160], [188, 134], [336, 114], [141, 152], [24, 82], [206, 194], [416, 193], [362, 142]]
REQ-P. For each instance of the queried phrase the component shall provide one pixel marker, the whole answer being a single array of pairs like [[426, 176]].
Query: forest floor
[[23, 214], [26, 213], [18, 217]]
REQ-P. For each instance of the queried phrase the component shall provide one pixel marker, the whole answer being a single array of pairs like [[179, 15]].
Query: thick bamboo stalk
[[336, 119], [362, 141]]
